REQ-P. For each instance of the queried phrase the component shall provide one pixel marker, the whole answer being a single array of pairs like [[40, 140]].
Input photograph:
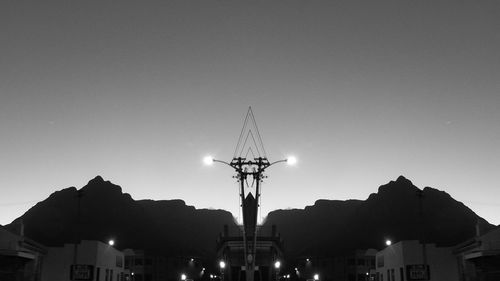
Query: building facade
[[479, 257], [94, 260], [20, 257], [230, 249], [411, 260], [358, 265]]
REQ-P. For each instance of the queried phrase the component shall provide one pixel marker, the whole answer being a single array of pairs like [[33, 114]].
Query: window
[[393, 277], [97, 274], [106, 278], [380, 261], [401, 274], [110, 275], [119, 261]]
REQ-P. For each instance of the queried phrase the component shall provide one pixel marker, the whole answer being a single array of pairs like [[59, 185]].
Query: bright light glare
[[316, 276], [222, 264], [111, 242], [208, 160], [183, 276], [388, 242], [291, 160], [277, 264]]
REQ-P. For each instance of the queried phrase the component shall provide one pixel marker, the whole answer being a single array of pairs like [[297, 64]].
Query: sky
[[140, 91]]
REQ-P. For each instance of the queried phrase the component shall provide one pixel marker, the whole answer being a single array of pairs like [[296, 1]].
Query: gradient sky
[[138, 92]]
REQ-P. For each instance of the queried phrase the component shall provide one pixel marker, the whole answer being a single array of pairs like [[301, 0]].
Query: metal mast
[[249, 161]]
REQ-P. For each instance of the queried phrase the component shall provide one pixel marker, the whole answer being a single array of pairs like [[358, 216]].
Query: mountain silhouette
[[332, 226], [328, 228], [168, 227]]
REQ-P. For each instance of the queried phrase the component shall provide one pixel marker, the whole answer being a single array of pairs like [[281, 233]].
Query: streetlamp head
[[291, 160], [208, 160], [111, 242], [388, 242], [316, 276], [277, 264], [222, 264], [183, 276]]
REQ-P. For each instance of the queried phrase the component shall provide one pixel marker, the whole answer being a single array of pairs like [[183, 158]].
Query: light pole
[[222, 265], [277, 265], [420, 195], [249, 166], [246, 168], [79, 195]]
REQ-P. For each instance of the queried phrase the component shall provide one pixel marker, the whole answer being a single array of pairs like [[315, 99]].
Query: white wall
[[57, 262], [441, 261]]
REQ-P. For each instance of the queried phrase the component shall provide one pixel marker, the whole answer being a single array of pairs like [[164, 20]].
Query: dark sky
[[360, 91]]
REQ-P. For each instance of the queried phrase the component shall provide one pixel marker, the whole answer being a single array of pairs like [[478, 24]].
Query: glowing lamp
[[291, 160], [208, 160]]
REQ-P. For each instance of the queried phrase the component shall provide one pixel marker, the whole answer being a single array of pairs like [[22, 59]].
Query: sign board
[[417, 272], [243, 268], [81, 272]]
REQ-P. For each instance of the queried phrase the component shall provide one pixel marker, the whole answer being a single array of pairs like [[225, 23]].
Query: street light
[[277, 265], [183, 276], [253, 168], [291, 160], [316, 276], [111, 242], [208, 160], [222, 265], [388, 242], [250, 163]]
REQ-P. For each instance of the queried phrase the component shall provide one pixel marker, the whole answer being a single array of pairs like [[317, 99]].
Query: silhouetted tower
[[250, 162]]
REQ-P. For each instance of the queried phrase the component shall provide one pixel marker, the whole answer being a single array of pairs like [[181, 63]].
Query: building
[[95, 260], [140, 265], [230, 249], [479, 257], [358, 265], [411, 260], [20, 257]]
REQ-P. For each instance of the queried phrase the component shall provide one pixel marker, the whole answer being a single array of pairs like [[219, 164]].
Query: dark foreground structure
[[268, 254]]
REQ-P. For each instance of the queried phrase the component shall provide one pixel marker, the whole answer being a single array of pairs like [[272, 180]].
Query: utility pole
[[79, 194], [249, 166], [420, 195]]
